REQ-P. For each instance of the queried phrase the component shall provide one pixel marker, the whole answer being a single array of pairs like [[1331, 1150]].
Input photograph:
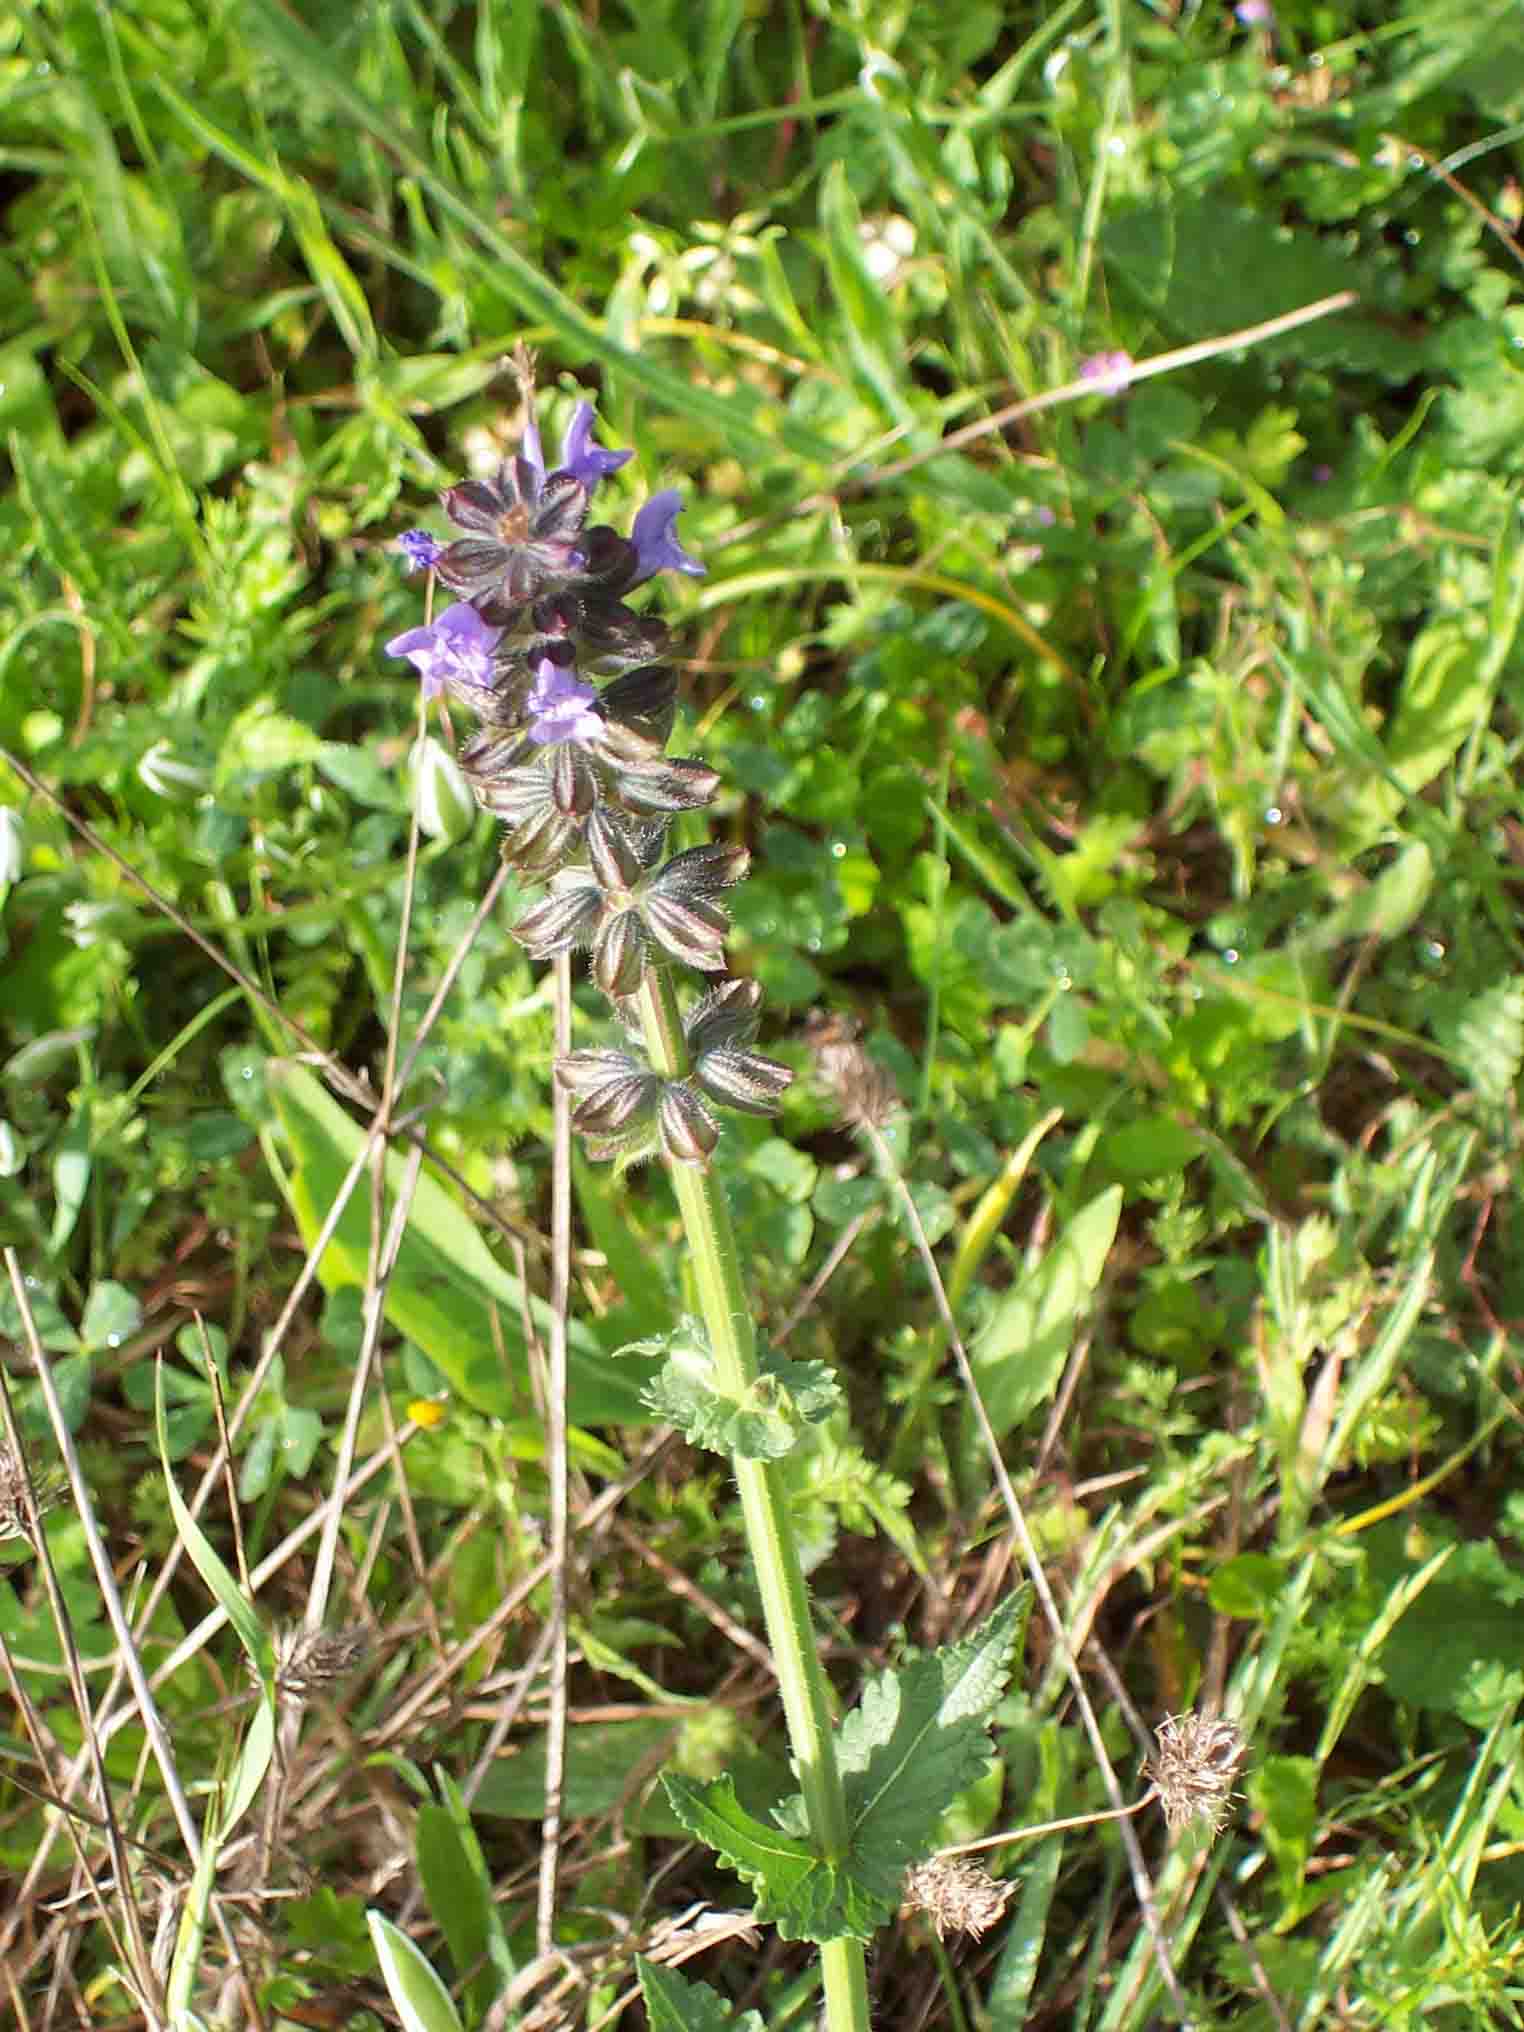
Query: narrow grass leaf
[[231, 1598], [448, 1292], [1019, 1357]]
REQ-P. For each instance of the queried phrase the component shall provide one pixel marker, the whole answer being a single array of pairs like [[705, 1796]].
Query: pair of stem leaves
[[918, 1737]]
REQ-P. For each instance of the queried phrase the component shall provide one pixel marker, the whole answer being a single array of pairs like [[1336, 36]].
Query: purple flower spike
[[454, 650], [579, 455], [1108, 373], [561, 707], [656, 548], [419, 548]]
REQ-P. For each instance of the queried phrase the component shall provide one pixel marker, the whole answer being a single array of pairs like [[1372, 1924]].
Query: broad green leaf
[[449, 1294], [604, 1766], [1020, 1355], [918, 1737], [421, 1999], [1383, 908], [112, 1315], [262, 742], [458, 1885]]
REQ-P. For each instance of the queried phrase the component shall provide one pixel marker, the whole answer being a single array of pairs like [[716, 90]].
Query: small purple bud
[[419, 548], [1255, 13], [656, 548], [530, 449], [579, 455], [1108, 373], [561, 707], [455, 649]]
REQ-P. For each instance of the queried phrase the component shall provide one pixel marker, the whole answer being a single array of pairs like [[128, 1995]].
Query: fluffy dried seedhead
[[861, 1088], [49, 1487], [956, 1896], [1194, 1765]]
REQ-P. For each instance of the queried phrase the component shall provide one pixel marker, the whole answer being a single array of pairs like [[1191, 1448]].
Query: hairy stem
[[764, 1507]]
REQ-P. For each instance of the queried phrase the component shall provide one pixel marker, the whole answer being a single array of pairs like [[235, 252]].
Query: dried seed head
[[956, 1896], [860, 1086], [311, 1661], [1194, 1765], [49, 1487]]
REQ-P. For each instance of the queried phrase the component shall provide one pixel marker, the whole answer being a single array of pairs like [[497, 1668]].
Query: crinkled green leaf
[[673, 2004], [918, 1737], [804, 1897], [763, 1423]]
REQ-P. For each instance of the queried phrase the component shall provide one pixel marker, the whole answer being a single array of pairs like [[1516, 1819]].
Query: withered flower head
[[860, 1086], [1194, 1765], [49, 1487], [956, 1896], [312, 1661]]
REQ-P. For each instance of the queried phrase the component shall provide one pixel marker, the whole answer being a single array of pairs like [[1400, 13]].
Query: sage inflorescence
[[575, 707]]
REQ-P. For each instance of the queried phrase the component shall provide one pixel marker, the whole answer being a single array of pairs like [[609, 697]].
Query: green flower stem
[[764, 1506]]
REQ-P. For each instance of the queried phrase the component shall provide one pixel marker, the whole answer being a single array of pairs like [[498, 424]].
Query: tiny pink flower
[[1108, 373]]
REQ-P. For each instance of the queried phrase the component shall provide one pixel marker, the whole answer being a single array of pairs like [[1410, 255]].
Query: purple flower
[[1253, 13], [656, 548], [1108, 373], [453, 652], [579, 455], [419, 548], [587, 462], [561, 707]]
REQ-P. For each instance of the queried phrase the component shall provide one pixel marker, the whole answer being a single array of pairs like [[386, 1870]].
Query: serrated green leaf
[[796, 1891], [1487, 1038], [764, 1422], [915, 1740], [673, 2004]]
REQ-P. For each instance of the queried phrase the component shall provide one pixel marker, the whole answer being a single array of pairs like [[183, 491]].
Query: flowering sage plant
[[574, 707], [543, 649]]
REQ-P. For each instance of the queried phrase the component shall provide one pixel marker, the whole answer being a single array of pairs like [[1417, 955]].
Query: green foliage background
[[1150, 762]]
